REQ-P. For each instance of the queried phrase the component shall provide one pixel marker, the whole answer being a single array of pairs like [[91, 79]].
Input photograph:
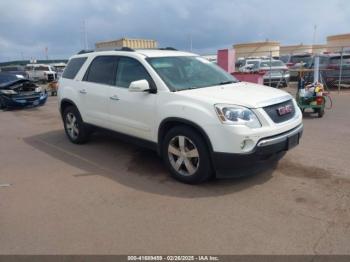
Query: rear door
[[132, 113], [98, 82]]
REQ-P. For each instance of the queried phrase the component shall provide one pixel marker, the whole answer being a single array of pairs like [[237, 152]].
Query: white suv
[[200, 119]]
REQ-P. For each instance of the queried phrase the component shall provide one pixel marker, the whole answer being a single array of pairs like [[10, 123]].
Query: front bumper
[[24, 101], [266, 149], [279, 80]]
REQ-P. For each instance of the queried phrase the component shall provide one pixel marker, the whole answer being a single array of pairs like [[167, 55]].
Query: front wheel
[[186, 155]]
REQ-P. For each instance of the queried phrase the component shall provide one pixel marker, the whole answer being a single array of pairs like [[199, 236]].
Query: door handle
[[114, 97], [82, 91]]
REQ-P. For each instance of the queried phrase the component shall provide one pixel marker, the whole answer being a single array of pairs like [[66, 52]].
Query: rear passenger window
[[73, 67], [102, 70], [130, 70]]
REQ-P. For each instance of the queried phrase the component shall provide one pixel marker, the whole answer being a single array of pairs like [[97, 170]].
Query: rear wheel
[[186, 155], [320, 112], [76, 130], [2, 103]]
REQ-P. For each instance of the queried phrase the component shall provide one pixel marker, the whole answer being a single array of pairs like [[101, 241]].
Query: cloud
[[29, 27]]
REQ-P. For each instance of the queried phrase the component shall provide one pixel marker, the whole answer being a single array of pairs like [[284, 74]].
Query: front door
[[132, 113]]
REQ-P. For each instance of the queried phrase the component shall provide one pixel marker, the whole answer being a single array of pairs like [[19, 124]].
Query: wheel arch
[[170, 122], [65, 103]]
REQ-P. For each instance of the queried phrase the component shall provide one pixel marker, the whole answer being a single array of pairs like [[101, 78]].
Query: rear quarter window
[[73, 67]]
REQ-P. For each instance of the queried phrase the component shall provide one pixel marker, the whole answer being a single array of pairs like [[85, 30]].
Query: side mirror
[[139, 86]]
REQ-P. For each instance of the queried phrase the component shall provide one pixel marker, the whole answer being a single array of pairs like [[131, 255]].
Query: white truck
[[41, 72]]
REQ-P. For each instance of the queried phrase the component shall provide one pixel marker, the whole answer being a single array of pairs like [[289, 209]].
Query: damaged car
[[17, 92]]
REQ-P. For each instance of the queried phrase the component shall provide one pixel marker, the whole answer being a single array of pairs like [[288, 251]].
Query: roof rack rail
[[168, 48], [125, 49], [85, 51]]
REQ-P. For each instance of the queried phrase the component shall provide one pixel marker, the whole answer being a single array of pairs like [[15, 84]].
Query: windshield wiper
[[226, 83]]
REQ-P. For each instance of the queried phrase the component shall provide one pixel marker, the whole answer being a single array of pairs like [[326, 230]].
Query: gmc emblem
[[283, 110]]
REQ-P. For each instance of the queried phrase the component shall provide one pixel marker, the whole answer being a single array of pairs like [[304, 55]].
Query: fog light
[[247, 145]]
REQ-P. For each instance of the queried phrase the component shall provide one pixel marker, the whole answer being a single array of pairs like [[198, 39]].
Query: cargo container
[[126, 42]]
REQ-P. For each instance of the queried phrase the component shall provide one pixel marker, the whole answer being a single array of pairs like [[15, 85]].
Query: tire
[[320, 112], [186, 155], [76, 130], [2, 104]]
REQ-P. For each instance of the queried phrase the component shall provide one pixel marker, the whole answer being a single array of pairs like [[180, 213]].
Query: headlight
[[237, 115], [38, 89], [8, 92]]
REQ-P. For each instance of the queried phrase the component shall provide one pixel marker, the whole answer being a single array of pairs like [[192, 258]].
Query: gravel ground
[[110, 197]]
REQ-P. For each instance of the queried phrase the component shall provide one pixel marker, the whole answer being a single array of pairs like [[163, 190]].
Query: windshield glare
[[276, 63], [299, 59], [189, 72]]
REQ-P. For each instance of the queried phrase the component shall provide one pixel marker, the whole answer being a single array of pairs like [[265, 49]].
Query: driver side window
[[130, 70]]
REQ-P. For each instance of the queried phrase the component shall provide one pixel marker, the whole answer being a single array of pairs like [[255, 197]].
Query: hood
[[19, 85], [12, 83], [242, 93]]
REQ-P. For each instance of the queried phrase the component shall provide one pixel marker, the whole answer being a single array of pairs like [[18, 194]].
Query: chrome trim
[[274, 101], [280, 138]]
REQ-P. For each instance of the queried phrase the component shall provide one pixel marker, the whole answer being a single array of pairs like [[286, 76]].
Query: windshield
[[275, 63], [299, 59], [254, 63], [7, 78], [9, 69], [337, 60], [189, 72]]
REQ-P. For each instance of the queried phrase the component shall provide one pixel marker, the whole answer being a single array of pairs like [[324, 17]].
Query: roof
[[338, 37], [162, 53], [257, 44], [144, 52]]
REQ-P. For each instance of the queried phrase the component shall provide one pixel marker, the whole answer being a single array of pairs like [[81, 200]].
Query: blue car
[[19, 92]]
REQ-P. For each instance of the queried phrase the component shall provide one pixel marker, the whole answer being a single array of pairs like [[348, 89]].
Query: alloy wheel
[[183, 155], [72, 126]]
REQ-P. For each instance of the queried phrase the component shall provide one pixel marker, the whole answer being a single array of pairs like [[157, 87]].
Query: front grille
[[272, 111], [27, 98], [50, 77]]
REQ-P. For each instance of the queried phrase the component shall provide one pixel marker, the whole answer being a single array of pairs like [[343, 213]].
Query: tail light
[[319, 100], [290, 64]]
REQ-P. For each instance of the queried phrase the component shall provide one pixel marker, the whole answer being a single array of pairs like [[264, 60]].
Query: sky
[[27, 27]]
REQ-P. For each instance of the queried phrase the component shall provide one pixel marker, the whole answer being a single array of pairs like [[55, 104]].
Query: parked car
[[276, 72], [15, 70], [331, 75], [59, 68], [199, 118], [296, 62], [41, 72], [19, 92], [249, 65]]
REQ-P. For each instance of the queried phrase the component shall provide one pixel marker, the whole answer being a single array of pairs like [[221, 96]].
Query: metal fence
[[329, 65]]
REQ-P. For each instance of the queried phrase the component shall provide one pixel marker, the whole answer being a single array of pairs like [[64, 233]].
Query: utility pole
[[314, 35], [191, 43], [85, 35], [46, 53]]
